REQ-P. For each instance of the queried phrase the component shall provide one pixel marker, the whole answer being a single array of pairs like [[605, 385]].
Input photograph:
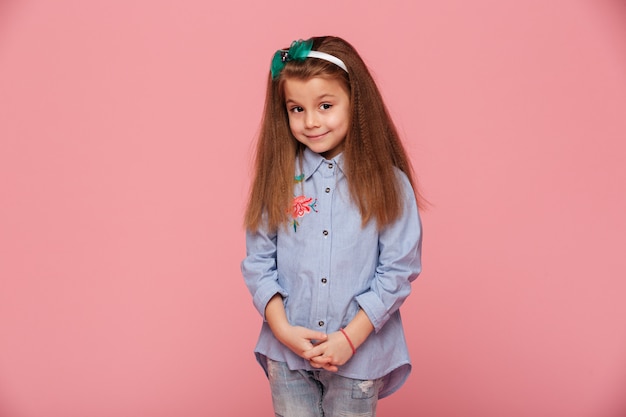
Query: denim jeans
[[320, 393]]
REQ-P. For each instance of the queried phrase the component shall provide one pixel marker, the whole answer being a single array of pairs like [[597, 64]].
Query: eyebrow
[[321, 97]]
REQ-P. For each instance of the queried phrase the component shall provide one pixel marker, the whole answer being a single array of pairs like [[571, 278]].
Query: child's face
[[319, 114]]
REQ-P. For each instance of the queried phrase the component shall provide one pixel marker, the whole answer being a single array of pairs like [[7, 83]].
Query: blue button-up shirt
[[327, 265]]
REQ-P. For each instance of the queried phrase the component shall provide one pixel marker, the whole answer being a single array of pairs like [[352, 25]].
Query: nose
[[311, 120]]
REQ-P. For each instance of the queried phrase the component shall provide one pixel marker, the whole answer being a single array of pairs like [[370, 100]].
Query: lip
[[316, 137]]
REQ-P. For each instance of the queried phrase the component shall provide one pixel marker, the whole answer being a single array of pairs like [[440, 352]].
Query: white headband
[[329, 58]]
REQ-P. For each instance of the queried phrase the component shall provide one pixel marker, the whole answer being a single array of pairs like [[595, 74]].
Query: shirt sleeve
[[259, 268], [399, 263]]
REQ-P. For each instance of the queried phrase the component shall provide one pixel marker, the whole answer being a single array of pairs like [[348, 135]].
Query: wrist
[[276, 317], [349, 340], [359, 329], [280, 328]]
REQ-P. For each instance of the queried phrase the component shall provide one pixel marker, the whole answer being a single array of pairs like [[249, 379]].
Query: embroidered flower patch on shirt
[[301, 205]]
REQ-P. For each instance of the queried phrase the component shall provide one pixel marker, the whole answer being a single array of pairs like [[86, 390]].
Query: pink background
[[126, 131]]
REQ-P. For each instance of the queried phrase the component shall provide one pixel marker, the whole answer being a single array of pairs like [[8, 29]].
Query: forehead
[[313, 88]]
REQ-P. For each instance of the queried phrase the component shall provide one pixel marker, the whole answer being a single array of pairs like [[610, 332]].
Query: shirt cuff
[[265, 294], [374, 308]]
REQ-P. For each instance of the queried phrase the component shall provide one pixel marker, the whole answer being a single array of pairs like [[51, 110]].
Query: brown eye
[[326, 106]]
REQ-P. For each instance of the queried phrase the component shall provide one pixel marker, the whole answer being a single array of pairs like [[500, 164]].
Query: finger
[[331, 368], [315, 335], [313, 352], [322, 360], [305, 349]]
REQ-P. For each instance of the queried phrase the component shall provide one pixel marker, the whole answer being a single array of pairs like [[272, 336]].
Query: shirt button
[[325, 232], [320, 323], [330, 166], [327, 190], [324, 280]]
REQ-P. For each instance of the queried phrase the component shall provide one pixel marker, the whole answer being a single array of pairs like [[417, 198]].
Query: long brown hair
[[372, 147]]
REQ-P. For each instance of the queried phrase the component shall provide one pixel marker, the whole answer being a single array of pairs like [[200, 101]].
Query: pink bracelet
[[349, 341]]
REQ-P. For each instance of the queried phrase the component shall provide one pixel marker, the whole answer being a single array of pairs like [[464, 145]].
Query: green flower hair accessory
[[298, 51]]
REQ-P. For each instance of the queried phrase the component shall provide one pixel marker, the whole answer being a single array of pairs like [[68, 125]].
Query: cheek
[[340, 121], [292, 122]]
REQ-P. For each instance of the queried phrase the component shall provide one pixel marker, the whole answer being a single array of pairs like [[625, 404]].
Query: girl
[[333, 235]]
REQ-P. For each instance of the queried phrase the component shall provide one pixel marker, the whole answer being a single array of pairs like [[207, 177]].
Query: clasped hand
[[323, 351]]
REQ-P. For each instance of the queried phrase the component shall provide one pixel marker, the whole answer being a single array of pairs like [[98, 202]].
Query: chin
[[316, 147]]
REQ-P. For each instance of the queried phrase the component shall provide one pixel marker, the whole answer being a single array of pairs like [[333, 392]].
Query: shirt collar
[[311, 162]]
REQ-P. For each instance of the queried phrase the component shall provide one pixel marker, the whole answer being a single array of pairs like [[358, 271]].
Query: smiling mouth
[[314, 137]]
